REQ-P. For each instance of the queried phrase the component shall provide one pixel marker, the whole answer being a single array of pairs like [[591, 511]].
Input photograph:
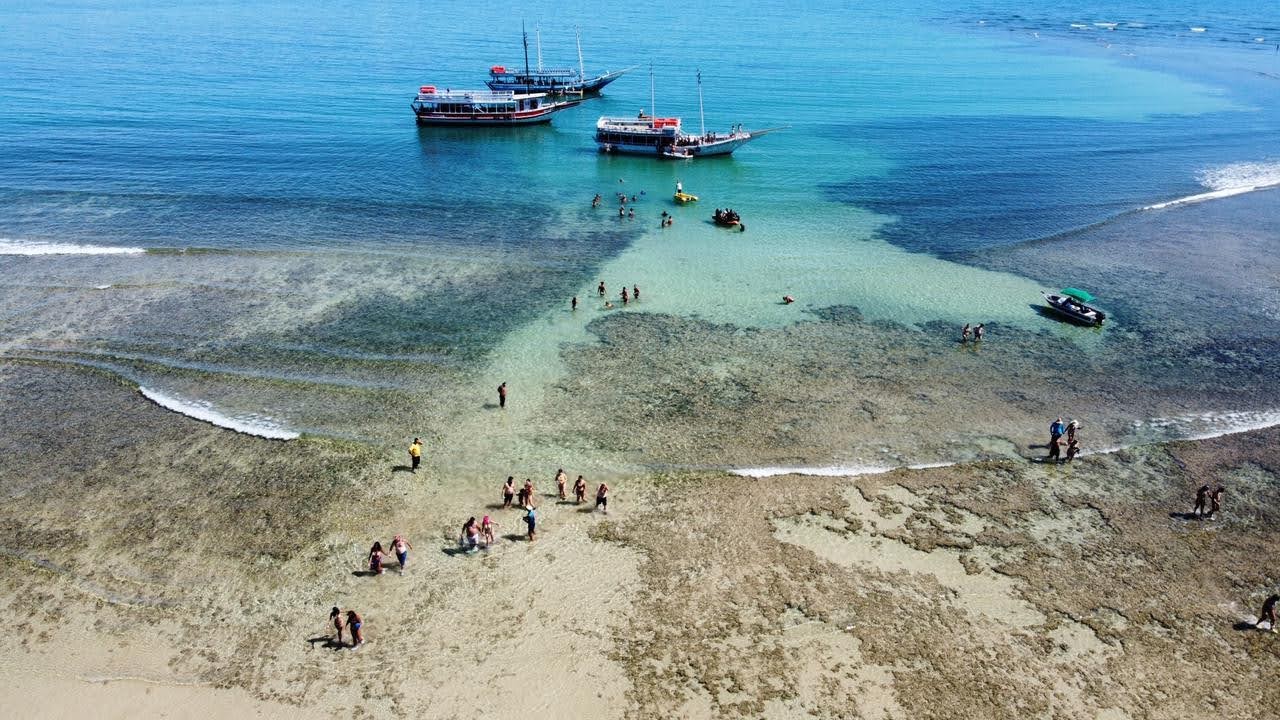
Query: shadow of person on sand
[[1244, 625], [1184, 516], [515, 537], [490, 406], [455, 551], [496, 506], [363, 573], [401, 468], [327, 642]]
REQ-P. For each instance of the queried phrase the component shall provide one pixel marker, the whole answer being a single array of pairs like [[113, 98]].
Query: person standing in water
[[1071, 430], [1055, 449], [508, 492], [375, 558], [415, 454], [470, 537], [561, 479], [573, 304], [977, 332], [964, 333], [356, 623], [1268, 613], [623, 294], [635, 292], [1202, 497], [1073, 447], [602, 498], [502, 395], [580, 490], [531, 519], [486, 531], [339, 623], [600, 288]]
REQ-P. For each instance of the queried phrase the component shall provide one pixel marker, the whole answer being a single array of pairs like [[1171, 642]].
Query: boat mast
[[702, 120], [582, 75], [525, 36], [538, 30], [653, 110]]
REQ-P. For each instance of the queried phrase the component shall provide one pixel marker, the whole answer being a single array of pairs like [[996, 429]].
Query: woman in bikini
[[375, 558], [335, 616], [561, 479], [580, 490], [355, 623], [486, 531]]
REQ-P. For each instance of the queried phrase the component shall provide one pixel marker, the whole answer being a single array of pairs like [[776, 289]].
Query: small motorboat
[[684, 197], [1073, 303]]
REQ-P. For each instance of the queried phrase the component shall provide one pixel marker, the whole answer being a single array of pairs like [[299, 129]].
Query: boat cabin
[[470, 102]]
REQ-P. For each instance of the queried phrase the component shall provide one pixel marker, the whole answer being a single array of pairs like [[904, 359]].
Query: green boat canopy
[[1078, 294]]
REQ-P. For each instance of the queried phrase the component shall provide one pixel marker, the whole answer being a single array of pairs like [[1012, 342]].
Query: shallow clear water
[[315, 259]]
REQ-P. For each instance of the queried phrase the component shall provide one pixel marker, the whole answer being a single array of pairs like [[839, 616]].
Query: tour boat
[[484, 107], [553, 81], [663, 136]]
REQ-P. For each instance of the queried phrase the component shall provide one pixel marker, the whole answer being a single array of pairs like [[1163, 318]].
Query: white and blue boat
[[552, 81], [483, 108], [664, 137]]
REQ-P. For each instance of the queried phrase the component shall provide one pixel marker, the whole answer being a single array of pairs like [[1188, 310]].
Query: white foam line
[[31, 248], [1228, 423], [1213, 195], [201, 410]]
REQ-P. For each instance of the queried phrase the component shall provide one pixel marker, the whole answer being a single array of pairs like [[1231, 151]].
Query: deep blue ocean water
[[302, 229]]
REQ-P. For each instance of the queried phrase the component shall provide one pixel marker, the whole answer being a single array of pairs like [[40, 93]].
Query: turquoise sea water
[[290, 251]]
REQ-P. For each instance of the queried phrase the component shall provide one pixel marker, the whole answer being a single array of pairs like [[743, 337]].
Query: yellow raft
[[682, 198]]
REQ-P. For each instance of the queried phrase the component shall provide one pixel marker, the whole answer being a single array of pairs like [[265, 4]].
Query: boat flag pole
[[702, 120]]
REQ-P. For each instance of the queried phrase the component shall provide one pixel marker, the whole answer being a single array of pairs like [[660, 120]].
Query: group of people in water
[[727, 216], [477, 535], [977, 333], [1056, 432], [1213, 498], [602, 291]]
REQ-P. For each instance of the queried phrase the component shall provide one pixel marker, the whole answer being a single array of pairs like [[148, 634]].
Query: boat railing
[[473, 96]]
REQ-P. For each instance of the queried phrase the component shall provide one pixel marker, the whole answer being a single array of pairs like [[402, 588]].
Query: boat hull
[[676, 152], [1066, 308], [501, 119], [590, 87]]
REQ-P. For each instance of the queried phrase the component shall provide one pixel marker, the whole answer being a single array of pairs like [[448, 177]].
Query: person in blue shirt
[[531, 519], [1056, 429]]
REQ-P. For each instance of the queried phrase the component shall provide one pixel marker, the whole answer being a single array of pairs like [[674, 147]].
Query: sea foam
[[1228, 180], [200, 410], [33, 247]]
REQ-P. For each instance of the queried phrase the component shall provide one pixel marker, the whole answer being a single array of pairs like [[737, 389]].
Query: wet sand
[[154, 564]]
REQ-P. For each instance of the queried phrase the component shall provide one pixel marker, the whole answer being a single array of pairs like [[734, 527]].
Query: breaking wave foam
[[200, 410], [1195, 426], [32, 247], [1228, 180]]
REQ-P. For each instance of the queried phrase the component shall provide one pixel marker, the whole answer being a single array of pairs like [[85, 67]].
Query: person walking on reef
[[1056, 429], [502, 395], [415, 454], [1268, 612], [1073, 448], [1202, 496], [1215, 501], [531, 519], [339, 623], [1055, 449]]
